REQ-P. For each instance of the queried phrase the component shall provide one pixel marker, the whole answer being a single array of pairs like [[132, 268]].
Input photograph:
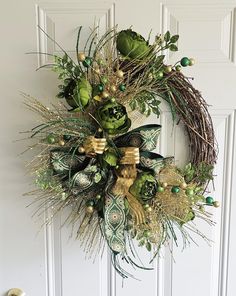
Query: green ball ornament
[[51, 139], [113, 100], [87, 62], [101, 87], [122, 87], [185, 62], [160, 189], [66, 137], [175, 189], [209, 200], [98, 196], [90, 203]]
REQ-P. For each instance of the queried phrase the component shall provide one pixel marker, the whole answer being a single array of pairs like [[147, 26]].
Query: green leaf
[[65, 59], [133, 233], [141, 243], [173, 47], [133, 104], [139, 236], [174, 38], [77, 71], [159, 59], [167, 36], [60, 95], [148, 246]]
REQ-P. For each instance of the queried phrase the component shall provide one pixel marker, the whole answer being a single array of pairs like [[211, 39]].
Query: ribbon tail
[[136, 209], [114, 219]]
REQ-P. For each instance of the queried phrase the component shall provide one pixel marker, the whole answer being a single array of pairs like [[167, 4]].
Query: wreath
[[94, 162]]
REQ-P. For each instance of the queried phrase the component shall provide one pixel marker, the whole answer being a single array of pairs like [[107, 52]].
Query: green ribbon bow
[[83, 174]]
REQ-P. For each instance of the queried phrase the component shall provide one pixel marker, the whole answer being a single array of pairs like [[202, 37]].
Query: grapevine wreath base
[[92, 161]]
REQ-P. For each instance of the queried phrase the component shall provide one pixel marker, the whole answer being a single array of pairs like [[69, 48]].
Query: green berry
[[100, 62], [189, 191], [185, 62], [159, 75], [51, 139], [160, 189], [146, 233], [178, 68]]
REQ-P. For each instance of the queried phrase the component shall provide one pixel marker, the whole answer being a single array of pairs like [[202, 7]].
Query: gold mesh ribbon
[[126, 174], [170, 176]]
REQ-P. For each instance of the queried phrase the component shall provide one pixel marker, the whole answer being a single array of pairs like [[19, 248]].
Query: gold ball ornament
[[99, 129], [168, 69], [97, 71], [90, 209], [216, 204], [149, 209], [97, 98], [165, 184], [81, 149], [64, 196], [183, 185], [105, 94], [61, 143], [191, 62], [150, 76], [120, 73], [81, 56], [113, 88]]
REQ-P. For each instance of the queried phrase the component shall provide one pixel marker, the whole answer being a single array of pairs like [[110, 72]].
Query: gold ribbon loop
[[93, 146], [130, 155]]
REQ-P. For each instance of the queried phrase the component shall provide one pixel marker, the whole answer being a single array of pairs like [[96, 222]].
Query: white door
[[45, 262]]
